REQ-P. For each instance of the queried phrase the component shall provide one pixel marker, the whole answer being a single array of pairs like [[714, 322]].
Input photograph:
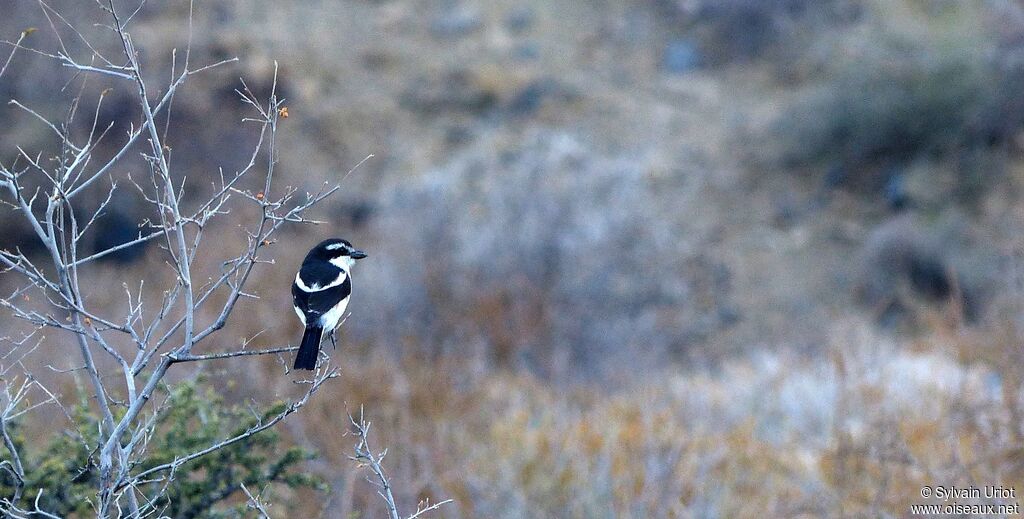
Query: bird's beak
[[357, 254]]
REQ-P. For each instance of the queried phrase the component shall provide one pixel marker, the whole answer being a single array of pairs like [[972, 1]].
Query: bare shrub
[[510, 254], [743, 30], [128, 352], [905, 274], [907, 82]]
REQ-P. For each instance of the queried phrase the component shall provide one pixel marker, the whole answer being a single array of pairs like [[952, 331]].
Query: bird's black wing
[[300, 298], [323, 301], [315, 304], [317, 273]]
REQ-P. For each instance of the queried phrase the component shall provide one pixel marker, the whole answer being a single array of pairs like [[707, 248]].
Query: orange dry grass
[[771, 435]]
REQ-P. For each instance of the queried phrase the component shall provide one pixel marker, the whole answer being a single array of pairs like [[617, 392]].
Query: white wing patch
[[316, 287], [302, 317], [331, 319]]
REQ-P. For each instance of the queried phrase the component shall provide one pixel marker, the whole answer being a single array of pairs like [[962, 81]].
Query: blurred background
[[650, 258]]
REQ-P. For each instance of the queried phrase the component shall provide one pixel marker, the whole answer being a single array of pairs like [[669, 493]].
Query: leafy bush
[[193, 418], [741, 30], [908, 82]]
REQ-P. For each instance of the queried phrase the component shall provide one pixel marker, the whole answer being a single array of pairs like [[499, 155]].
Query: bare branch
[[255, 503], [47, 205], [364, 454], [14, 49], [314, 385], [230, 354]]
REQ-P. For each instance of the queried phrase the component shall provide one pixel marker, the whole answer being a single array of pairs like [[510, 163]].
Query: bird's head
[[338, 252]]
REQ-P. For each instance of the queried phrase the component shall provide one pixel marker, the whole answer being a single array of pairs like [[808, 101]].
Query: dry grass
[[854, 432], [857, 434]]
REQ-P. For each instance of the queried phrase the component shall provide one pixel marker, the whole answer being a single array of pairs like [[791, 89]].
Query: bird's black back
[[318, 271], [315, 304]]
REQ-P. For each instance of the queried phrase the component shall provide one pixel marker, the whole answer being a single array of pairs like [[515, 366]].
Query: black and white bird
[[320, 294]]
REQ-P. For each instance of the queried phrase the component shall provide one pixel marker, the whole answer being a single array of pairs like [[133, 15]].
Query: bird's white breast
[[330, 319]]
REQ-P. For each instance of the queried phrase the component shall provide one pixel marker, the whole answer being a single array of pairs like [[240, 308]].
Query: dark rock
[[895, 191], [16, 234], [905, 265], [376, 60], [529, 99], [458, 134], [519, 19], [680, 57], [787, 212], [528, 51], [728, 316], [834, 177], [930, 277], [455, 23], [356, 213], [456, 91], [118, 227]]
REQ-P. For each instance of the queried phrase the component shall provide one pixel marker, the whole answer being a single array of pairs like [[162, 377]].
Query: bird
[[321, 293]]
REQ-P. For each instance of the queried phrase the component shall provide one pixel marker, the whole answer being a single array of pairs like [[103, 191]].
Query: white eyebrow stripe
[[317, 288], [335, 246]]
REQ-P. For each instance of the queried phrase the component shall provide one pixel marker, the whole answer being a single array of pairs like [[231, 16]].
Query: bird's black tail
[[310, 347]]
